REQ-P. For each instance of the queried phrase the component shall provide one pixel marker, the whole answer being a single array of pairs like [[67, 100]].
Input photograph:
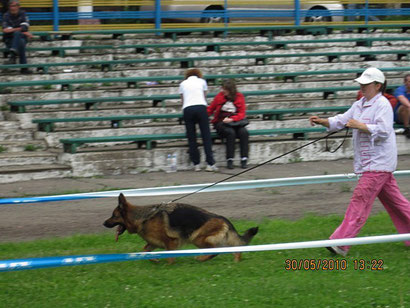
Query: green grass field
[[260, 280]]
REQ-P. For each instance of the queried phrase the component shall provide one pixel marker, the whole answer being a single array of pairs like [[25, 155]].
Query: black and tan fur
[[172, 225]]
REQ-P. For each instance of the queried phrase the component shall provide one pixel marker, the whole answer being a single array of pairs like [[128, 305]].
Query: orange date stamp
[[316, 264], [333, 264]]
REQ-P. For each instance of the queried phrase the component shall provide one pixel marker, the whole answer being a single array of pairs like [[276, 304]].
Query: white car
[[195, 10]]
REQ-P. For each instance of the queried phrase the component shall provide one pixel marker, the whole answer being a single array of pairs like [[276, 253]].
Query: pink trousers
[[371, 185]]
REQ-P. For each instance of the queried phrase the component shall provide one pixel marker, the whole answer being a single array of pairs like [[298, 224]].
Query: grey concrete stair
[[20, 146], [27, 158], [16, 173]]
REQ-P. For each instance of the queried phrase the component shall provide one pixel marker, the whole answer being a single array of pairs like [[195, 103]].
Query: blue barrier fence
[[59, 261], [188, 189], [47, 262], [225, 13]]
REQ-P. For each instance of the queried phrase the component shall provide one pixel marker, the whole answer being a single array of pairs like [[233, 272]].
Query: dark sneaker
[[26, 71], [244, 163], [229, 164], [407, 132], [12, 60]]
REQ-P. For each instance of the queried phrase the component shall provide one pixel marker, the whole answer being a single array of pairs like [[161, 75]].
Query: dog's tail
[[249, 234]]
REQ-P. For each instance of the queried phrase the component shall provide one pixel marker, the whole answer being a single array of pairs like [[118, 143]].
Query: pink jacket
[[376, 151]]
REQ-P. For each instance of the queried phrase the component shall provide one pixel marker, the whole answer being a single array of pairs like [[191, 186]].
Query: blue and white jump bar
[[36, 263], [186, 189]]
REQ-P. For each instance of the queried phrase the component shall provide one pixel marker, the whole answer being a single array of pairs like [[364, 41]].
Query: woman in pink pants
[[375, 158]]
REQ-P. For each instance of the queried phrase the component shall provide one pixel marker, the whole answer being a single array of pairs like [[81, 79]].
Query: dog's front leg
[[172, 244], [148, 248], [237, 256]]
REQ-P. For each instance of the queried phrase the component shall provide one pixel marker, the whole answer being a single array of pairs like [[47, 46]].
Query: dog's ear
[[122, 202]]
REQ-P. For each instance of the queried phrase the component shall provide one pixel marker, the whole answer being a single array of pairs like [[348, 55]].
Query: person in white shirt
[[193, 95], [375, 159]]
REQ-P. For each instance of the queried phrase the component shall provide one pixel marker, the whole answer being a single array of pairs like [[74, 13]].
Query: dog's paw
[[204, 258], [154, 260]]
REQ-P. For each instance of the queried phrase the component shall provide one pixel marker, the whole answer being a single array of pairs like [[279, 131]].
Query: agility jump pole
[[186, 189], [36, 263]]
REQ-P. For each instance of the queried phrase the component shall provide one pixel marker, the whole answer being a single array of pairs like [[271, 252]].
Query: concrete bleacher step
[[120, 88], [13, 73], [21, 146], [129, 160], [16, 134], [25, 119], [126, 159], [53, 139], [187, 39], [17, 173], [27, 158], [217, 66], [172, 106], [6, 125], [122, 54]]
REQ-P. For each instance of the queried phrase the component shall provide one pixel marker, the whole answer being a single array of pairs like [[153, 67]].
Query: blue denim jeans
[[18, 44]]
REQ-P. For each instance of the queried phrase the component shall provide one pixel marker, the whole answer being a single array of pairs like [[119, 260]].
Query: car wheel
[[318, 19], [212, 20]]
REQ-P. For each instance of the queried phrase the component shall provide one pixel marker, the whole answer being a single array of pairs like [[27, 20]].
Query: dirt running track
[[51, 219]]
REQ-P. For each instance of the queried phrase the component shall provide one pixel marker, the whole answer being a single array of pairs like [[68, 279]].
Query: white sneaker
[[337, 250], [212, 168], [197, 168]]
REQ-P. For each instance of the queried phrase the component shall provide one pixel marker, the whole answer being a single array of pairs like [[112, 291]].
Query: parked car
[[282, 10]]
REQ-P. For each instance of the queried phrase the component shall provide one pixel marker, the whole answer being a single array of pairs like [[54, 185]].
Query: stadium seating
[[186, 62], [61, 51], [114, 98], [47, 125]]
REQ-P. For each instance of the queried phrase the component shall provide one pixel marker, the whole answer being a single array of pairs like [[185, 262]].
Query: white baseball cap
[[370, 75]]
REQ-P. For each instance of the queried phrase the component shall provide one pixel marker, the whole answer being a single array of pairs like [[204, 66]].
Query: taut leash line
[[261, 164]]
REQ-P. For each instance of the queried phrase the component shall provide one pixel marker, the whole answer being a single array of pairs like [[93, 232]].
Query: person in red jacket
[[392, 99], [229, 110]]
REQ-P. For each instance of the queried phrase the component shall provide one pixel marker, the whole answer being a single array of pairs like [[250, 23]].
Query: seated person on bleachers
[[15, 33], [229, 111], [402, 110]]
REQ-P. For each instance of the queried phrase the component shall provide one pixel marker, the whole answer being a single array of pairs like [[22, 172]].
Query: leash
[[327, 149], [268, 161]]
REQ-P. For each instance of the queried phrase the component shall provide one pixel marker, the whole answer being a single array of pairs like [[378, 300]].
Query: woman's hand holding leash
[[316, 120], [356, 124]]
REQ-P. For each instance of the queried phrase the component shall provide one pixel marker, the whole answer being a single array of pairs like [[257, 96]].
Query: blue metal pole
[[226, 17], [297, 13], [157, 14], [366, 15], [56, 16], [226, 13]]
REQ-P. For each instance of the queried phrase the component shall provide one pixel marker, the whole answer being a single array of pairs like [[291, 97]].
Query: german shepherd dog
[[172, 225]]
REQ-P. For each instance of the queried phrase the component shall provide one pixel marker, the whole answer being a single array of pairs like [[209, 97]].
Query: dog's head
[[118, 215]]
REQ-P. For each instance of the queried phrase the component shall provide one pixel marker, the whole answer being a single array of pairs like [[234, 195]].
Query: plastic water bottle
[[171, 163], [174, 162]]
